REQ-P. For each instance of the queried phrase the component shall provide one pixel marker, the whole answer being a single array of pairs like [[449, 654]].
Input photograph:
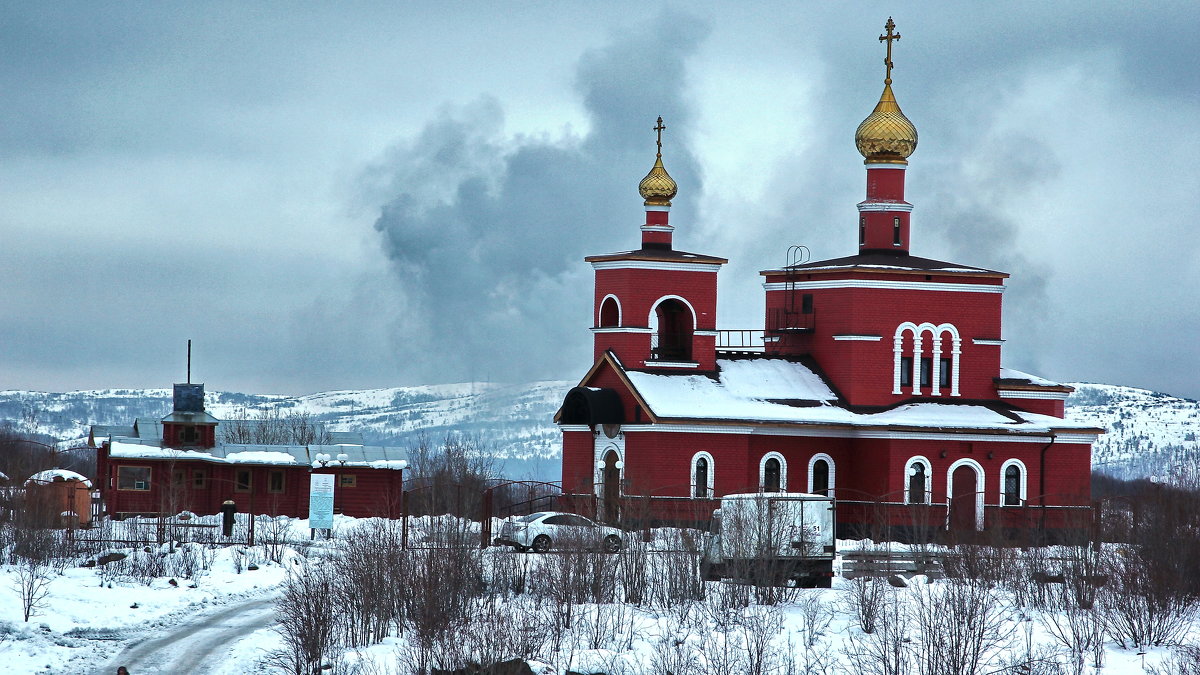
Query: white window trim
[[980, 483], [711, 473], [600, 312], [832, 471], [652, 319], [919, 459], [603, 445], [762, 471], [935, 352], [1022, 481]]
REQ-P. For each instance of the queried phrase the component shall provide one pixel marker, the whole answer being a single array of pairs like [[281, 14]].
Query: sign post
[[320, 502]]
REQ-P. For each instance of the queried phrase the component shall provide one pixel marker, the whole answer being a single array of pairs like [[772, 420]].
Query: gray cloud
[[486, 231]]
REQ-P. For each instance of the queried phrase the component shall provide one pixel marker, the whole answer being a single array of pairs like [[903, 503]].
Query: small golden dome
[[658, 188], [886, 135]]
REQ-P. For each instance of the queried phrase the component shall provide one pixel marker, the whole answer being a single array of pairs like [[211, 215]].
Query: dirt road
[[196, 646]]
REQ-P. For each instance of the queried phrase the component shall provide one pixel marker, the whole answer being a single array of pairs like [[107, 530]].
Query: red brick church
[[875, 377]]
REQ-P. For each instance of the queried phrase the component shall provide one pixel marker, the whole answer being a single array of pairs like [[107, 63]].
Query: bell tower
[[656, 307], [885, 139]]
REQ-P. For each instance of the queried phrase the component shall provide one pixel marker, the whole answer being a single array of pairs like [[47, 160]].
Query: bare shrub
[[308, 620], [959, 623], [371, 562], [888, 649], [1139, 606], [32, 583], [759, 628], [863, 598], [1184, 661]]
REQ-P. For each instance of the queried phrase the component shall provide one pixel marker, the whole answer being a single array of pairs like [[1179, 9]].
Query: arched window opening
[[771, 475], [610, 313], [700, 481], [673, 340], [918, 475], [1012, 486], [820, 477]]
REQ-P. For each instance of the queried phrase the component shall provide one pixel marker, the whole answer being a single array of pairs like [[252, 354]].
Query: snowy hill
[[1148, 433]]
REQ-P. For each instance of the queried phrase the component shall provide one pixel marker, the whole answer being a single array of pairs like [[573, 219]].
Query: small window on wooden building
[[806, 303], [348, 480], [896, 231], [133, 478], [242, 480], [944, 374], [199, 479], [275, 481], [189, 435], [926, 371]]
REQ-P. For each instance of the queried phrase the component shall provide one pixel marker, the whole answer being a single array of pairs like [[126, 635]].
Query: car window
[[581, 521], [557, 520], [530, 518]]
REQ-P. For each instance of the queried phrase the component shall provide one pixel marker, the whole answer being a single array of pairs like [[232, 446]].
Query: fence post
[[485, 519]]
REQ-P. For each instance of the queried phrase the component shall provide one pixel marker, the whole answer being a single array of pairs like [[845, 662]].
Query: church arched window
[[702, 475], [772, 473], [1012, 483], [918, 481], [610, 312], [821, 474]]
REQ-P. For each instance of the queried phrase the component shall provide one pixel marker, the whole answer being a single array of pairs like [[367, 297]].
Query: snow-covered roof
[[373, 456], [52, 475], [1013, 374], [770, 390]]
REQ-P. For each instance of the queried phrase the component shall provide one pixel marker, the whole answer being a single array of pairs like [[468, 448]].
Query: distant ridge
[[1149, 433]]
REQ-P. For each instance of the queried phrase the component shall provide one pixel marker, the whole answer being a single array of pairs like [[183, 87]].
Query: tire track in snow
[[189, 647]]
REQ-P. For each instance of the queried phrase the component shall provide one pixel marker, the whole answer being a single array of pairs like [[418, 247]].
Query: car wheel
[[612, 544], [541, 544]]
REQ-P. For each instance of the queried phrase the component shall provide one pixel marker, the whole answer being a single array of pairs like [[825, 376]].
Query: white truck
[[772, 538]]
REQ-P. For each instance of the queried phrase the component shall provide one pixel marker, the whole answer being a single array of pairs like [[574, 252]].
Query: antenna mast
[[189, 364]]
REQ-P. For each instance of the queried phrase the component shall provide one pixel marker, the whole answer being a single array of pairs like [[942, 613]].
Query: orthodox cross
[[659, 128], [887, 61]]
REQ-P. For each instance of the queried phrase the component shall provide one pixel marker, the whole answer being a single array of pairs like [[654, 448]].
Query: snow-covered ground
[[218, 620]]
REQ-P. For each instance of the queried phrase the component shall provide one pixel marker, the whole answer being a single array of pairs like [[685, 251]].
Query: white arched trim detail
[[603, 447], [813, 462], [762, 471], [600, 312], [1022, 480], [935, 354], [922, 460], [980, 483], [652, 320], [712, 473]]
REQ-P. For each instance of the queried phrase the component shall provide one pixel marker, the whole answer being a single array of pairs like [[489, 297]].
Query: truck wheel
[[541, 544], [612, 544]]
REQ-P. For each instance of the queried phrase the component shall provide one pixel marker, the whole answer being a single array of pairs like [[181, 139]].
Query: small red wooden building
[[180, 464], [875, 377]]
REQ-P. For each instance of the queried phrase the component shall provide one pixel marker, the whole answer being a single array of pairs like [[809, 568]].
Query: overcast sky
[[366, 195]]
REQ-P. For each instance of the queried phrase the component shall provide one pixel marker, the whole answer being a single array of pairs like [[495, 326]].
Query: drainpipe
[[1042, 482]]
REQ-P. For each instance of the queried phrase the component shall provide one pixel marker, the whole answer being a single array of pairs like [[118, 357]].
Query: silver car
[[539, 532]]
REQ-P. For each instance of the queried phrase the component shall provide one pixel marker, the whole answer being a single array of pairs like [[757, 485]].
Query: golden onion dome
[[886, 135], [658, 188]]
